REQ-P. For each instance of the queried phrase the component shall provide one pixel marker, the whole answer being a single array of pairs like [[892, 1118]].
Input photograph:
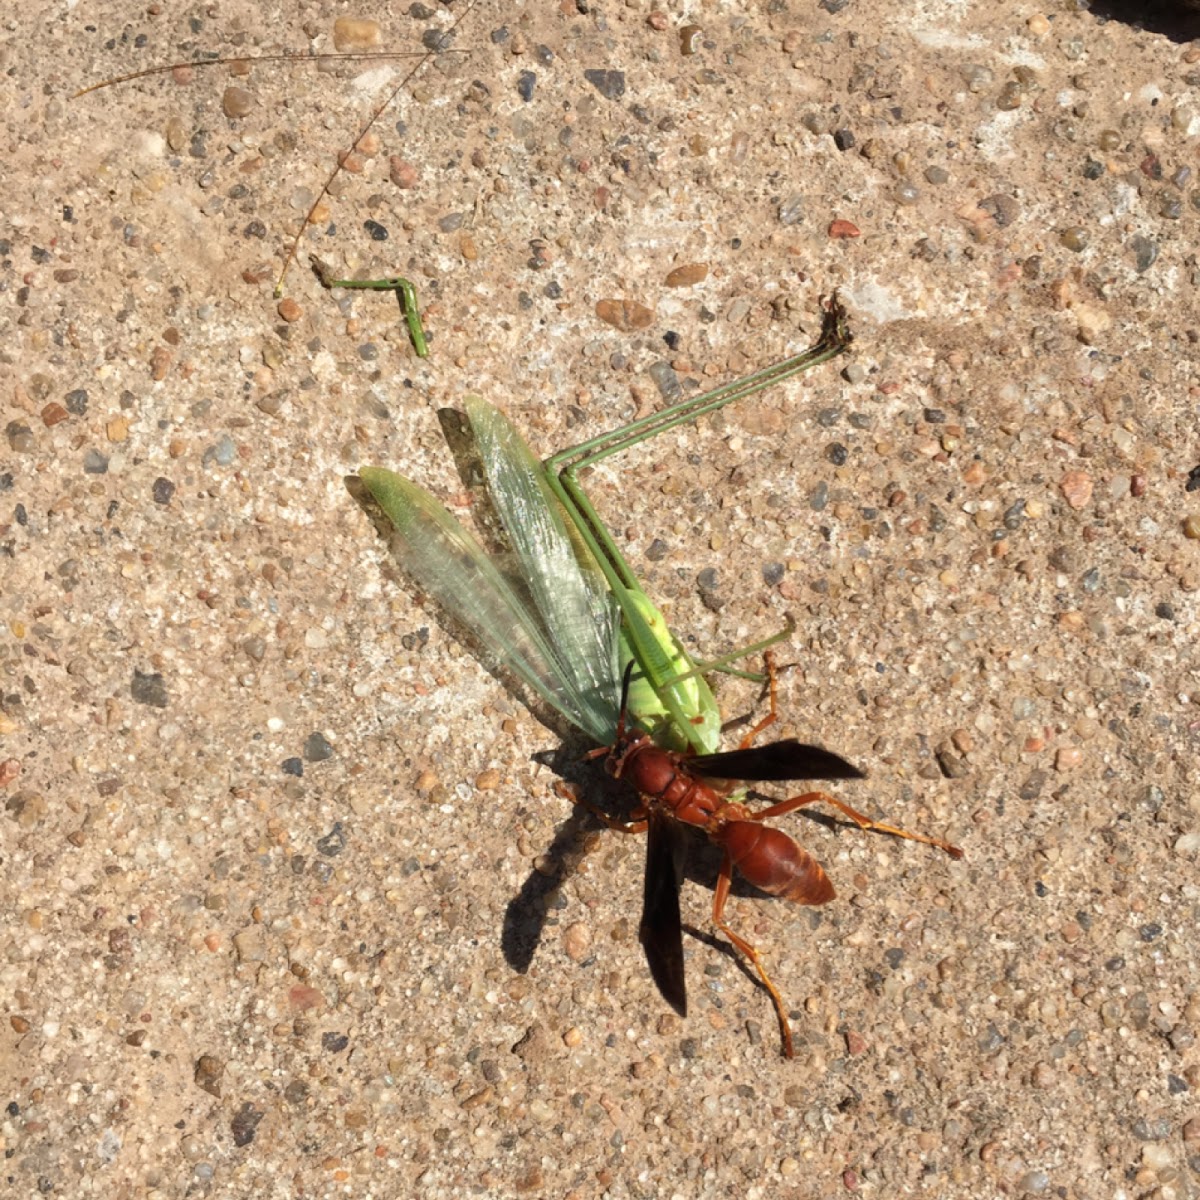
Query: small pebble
[[689, 39], [1074, 238], [489, 780], [687, 275], [403, 173], [610, 84], [625, 315], [841, 229], [352, 33], [1076, 486], [289, 310], [1191, 526], [317, 747], [207, 1074], [1067, 758], [792, 209], [237, 102], [576, 941]]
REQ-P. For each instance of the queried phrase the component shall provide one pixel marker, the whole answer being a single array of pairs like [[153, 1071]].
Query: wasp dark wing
[[661, 930], [786, 759]]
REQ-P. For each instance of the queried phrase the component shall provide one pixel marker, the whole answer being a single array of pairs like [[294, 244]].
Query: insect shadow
[[1178, 20]]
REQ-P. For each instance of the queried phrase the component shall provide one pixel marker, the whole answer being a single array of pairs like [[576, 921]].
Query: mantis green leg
[[406, 295]]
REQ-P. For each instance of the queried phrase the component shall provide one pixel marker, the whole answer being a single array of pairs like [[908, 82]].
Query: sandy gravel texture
[[291, 904]]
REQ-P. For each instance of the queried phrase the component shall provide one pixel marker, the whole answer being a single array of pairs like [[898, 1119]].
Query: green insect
[[586, 616]]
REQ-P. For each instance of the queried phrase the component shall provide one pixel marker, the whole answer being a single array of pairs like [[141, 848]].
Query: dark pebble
[[415, 641], [837, 453], [773, 573], [95, 463], [610, 84], [368, 352], [819, 497], [666, 381], [162, 490], [894, 957], [1004, 209], [437, 39], [935, 416], [292, 766], [22, 517], [245, 1124], [526, 82], [317, 747], [828, 417], [335, 1043], [333, 843], [256, 229], [553, 290], [991, 1039], [1156, 1130], [543, 54], [1176, 1086], [1031, 789], [76, 402], [1092, 169], [657, 550], [148, 689], [1145, 252], [1193, 480], [951, 765], [377, 231], [1148, 933], [1164, 611]]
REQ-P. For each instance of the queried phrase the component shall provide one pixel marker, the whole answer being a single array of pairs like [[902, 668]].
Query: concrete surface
[[291, 905]]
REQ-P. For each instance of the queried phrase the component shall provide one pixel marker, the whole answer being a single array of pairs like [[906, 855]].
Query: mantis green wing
[[576, 609], [574, 595], [449, 564]]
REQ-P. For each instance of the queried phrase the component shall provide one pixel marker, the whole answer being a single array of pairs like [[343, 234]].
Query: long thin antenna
[[362, 133]]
